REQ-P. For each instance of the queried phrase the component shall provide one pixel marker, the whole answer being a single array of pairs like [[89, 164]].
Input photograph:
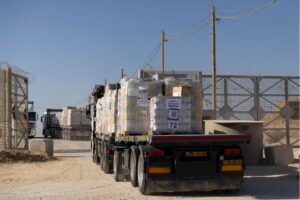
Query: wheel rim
[[140, 171], [132, 166], [115, 163]]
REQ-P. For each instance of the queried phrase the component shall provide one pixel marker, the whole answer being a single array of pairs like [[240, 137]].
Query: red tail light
[[232, 151], [155, 153]]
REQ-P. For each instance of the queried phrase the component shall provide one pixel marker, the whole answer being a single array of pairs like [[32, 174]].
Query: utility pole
[[122, 72], [214, 82], [162, 52]]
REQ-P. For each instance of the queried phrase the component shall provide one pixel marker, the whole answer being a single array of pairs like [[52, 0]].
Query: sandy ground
[[75, 176]]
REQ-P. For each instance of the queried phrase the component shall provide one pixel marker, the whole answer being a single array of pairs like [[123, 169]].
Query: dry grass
[[23, 156]]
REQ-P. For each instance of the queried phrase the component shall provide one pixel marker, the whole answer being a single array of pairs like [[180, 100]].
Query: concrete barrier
[[41, 145], [279, 155]]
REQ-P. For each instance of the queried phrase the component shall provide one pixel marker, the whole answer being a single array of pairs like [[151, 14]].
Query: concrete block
[[41, 145], [279, 155]]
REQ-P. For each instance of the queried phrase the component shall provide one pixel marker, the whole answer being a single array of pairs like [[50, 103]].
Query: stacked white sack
[[133, 104], [170, 114]]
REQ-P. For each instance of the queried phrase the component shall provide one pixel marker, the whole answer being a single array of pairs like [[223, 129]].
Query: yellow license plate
[[196, 153], [231, 168], [232, 162], [159, 170]]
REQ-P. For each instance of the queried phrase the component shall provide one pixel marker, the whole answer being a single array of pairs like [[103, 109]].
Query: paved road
[[74, 176]]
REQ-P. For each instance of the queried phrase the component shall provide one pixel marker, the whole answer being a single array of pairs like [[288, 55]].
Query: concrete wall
[[252, 151]]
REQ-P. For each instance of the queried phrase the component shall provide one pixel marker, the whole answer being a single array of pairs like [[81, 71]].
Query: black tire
[[97, 153], [102, 156], [117, 167], [106, 165], [141, 176], [94, 150], [233, 191], [133, 166]]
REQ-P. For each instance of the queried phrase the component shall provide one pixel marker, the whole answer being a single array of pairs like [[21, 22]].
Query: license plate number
[[196, 153]]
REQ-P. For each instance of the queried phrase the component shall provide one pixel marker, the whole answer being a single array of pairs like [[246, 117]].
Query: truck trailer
[[51, 123], [32, 118], [161, 160]]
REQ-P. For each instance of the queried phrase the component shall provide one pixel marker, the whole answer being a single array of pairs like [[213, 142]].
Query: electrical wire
[[149, 59], [62, 104], [196, 29], [243, 7], [253, 12], [152, 55]]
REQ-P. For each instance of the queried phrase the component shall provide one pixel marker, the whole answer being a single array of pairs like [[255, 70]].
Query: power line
[[63, 104], [152, 54], [196, 29], [243, 7], [149, 59], [253, 12]]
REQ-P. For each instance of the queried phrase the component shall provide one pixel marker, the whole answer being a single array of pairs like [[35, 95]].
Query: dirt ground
[[74, 176]]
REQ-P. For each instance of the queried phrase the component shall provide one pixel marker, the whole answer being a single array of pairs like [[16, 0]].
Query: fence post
[[287, 121], [8, 107]]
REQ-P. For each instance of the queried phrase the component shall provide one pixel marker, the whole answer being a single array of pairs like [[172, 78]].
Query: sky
[[68, 46]]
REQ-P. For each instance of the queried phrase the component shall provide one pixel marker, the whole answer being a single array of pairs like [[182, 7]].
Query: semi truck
[[170, 162], [32, 118], [51, 124]]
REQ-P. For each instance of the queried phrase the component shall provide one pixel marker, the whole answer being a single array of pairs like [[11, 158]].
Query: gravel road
[[74, 176]]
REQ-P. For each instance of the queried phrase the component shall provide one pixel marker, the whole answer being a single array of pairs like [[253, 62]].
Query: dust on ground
[[74, 176]]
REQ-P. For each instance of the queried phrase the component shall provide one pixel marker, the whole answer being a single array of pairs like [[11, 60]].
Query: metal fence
[[13, 108], [272, 99]]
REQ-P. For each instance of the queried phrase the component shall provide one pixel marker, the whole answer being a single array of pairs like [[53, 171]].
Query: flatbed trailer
[[173, 163]]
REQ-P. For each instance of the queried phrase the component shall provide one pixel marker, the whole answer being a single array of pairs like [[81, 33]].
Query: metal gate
[[13, 108], [272, 99]]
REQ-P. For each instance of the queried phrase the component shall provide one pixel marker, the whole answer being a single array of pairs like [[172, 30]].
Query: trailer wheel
[[117, 171], [233, 191], [102, 156], [94, 150], [141, 176], [133, 166], [106, 166], [98, 153]]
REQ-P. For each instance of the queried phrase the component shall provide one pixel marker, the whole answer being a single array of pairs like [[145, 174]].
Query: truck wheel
[[94, 150], [233, 191], [102, 156], [106, 166], [141, 176], [117, 171], [99, 153], [133, 166]]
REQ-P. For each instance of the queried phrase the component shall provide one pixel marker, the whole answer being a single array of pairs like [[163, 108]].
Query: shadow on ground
[[72, 151], [261, 182]]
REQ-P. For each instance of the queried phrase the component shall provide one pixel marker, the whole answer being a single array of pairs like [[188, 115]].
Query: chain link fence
[[272, 99]]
